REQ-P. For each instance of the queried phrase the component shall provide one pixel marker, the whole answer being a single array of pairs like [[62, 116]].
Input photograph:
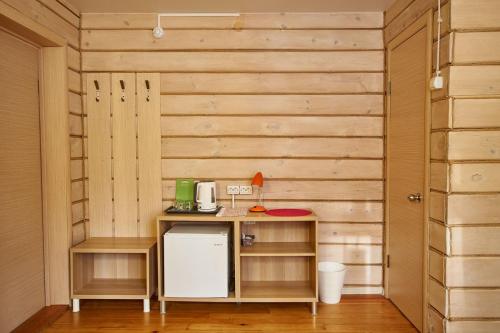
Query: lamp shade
[[258, 180]]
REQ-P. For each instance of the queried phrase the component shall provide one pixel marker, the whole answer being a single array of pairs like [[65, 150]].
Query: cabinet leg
[[146, 304], [76, 305], [163, 307], [314, 308]]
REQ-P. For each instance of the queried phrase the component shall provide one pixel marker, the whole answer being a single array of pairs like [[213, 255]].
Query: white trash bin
[[331, 281]]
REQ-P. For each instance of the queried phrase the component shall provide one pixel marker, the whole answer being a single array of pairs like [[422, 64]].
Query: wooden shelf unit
[[281, 266], [88, 280]]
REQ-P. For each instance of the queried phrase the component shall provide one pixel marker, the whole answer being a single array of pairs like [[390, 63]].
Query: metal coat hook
[[147, 87], [97, 92], [122, 85]]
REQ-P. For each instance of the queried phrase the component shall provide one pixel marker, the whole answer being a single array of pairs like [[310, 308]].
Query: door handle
[[415, 197]]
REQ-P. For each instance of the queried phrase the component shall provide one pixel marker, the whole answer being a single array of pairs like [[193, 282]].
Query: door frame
[[424, 21], [54, 148]]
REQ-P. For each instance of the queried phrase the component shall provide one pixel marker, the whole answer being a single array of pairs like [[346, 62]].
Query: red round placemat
[[288, 212]]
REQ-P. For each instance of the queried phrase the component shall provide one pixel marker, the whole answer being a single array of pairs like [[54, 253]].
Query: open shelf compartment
[[113, 268], [277, 291], [112, 288]]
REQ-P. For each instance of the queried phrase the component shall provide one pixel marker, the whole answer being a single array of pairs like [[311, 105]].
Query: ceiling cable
[[437, 80], [438, 51]]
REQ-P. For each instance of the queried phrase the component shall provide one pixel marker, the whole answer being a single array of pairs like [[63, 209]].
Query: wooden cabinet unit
[[281, 266], [136, 254]]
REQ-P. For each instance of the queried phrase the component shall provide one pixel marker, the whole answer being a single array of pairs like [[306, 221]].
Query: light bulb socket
[[158, 32]]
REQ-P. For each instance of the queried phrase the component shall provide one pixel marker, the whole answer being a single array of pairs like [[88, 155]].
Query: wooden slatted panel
[[353, 233], [351, 254], [436, 266], [437, 206], [395, 10], [272, 126], [439, 176], [474, 209], [73, 59], [363, 275], [472, 272], [99, 151], [272, 83], [410, 13], [275, 168], [38, 12], [438, 237], [474, 303], [475, 177], [446, 51], [474, 80], [476, 113], [435, 321], [437, 296], [62, 11], [271, 147], [474, 145], [487, 326], [476, 47], [233, 40], [281, 21], [124, 155], [478, 14], [149, 152], [475, 240], [272, 104], [441, 114], [446, 17], [234, 61]]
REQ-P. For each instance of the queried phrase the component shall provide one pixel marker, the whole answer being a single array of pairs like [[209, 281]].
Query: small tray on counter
[[173, 210]]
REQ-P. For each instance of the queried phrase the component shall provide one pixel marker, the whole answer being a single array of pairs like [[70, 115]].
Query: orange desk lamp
[[258, 181]]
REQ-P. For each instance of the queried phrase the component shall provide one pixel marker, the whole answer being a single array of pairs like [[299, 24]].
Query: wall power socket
[[233, 189], [246, 189]]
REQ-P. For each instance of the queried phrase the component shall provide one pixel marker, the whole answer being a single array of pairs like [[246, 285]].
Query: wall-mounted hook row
[[148, 90], [97, 91], [122, 85]]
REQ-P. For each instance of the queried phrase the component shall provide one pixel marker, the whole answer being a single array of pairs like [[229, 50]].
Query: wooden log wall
[[296, 96], [62, 18], [464, 264]]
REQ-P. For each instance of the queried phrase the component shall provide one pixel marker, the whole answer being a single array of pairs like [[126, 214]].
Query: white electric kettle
[[206, 196]]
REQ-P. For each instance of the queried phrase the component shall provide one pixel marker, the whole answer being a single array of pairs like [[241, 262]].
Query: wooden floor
[[352, 315]]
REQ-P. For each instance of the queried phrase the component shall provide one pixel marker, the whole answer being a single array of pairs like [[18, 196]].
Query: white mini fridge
[[196, 261]]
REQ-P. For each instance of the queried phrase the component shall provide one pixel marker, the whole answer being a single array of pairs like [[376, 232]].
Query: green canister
[[184, 194]]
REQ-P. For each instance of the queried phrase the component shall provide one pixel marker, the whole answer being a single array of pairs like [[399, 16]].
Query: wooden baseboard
[[41, 319]]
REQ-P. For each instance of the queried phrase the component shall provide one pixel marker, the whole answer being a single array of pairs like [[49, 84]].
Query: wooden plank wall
[[465, 226], [62, 18], [296, 96], [468, 142]]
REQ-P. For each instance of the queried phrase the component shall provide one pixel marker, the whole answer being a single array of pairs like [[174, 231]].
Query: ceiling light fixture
[[158, 31]]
